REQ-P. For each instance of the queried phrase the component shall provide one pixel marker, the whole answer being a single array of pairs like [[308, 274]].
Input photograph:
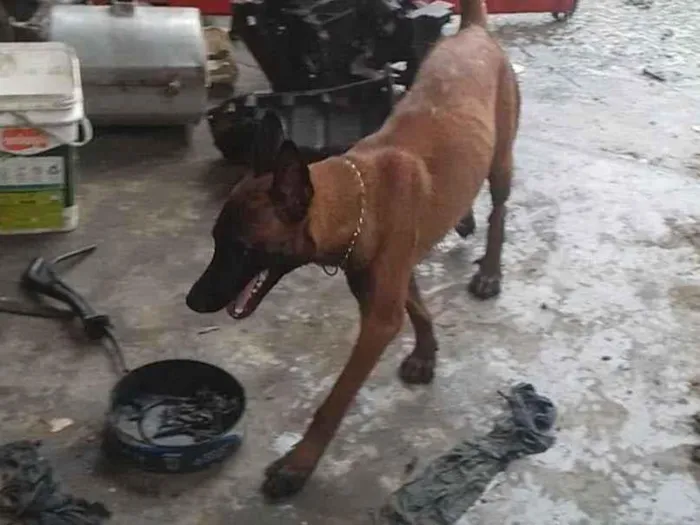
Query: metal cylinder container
[[141, 65]]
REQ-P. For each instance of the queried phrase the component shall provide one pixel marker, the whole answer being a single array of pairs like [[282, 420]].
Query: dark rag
[[29, 495], [442, 493]]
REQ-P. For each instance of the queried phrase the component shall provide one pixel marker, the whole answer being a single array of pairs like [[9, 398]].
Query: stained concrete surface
[[600, 307]]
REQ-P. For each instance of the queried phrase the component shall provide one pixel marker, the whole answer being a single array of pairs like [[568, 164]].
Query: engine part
[[302, 44], [321, 122]]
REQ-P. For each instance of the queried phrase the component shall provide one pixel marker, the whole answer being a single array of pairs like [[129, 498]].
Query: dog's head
[[261, 233]]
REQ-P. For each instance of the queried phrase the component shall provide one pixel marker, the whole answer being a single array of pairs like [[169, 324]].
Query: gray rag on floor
[[29, 495], [452, 483]]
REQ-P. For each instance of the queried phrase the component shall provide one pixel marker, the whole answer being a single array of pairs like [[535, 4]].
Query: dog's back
[[458, 117]]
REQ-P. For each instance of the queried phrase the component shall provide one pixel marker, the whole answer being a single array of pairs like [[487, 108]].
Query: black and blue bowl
[[127, 438]]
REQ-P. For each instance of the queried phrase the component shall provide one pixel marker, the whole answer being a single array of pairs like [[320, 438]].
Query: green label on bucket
[[35, 190], [29, 210]]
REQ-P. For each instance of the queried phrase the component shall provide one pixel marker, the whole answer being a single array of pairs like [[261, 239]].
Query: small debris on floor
[[59, 424], [642, 4], [411, 466], [654, 74]]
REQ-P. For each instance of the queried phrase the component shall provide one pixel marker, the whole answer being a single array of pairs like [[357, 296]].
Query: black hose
[[115, 352]]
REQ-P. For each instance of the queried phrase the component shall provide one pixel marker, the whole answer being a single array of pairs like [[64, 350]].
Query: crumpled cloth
[[29, 495], [452, 483]]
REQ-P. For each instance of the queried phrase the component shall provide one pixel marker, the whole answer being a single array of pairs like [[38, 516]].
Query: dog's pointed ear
[[269, 136], [291, 190]]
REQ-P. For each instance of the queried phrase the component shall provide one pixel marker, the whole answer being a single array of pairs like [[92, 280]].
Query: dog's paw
[[466, 226], [483, 286], [284, 480], [416, 370]]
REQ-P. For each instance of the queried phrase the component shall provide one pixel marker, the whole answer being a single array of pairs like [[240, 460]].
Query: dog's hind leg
[[419, 366], [466, 225], [486, 283]]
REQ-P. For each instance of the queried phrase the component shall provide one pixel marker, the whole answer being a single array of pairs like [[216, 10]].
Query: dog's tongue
[[237, 307]]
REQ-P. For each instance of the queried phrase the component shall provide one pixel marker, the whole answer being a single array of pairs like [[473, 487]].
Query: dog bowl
[[174, 416]]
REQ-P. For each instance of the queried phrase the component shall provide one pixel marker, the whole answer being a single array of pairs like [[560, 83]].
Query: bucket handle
[[87, 133], [85, 126]]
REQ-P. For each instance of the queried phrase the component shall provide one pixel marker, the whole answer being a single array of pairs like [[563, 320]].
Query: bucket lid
[[38, 76]]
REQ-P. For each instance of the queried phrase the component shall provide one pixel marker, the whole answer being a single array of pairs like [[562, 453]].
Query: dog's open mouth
[[248, 300]]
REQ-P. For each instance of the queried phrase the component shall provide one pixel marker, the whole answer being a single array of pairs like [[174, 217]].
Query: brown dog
[[375, 212]]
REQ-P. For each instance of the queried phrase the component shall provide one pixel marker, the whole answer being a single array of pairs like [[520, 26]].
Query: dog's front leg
[[382, 299]]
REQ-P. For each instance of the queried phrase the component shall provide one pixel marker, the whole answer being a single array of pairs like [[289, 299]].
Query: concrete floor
[[600, 308]]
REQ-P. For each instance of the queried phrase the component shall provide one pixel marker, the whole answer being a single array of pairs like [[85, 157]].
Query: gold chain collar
[[360, 221]]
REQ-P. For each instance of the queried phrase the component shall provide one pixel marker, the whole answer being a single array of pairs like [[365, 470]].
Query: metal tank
[[141, 65]]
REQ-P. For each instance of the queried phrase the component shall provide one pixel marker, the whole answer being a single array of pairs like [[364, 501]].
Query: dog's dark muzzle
[[224, 278], [210, 293]]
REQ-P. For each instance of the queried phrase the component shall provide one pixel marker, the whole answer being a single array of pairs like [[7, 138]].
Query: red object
[[530, 6], [207, 7], [496, 7]]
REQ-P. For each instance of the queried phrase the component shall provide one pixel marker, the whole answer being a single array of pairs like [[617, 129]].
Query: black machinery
[[311, 44], [334, 67]]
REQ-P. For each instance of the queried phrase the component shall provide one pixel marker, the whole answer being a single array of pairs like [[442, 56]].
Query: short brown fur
[[421, 171]]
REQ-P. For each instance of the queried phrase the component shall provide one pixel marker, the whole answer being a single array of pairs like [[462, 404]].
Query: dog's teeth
[[260, 281]]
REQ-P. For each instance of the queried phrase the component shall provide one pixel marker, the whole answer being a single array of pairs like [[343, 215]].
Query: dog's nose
[[196, 302], [192, 303], [204, 298]]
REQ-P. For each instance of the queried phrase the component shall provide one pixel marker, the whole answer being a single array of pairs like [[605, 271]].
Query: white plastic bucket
[[42, 123]]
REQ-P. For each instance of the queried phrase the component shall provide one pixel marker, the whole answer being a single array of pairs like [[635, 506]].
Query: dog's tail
[[473, 12]]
